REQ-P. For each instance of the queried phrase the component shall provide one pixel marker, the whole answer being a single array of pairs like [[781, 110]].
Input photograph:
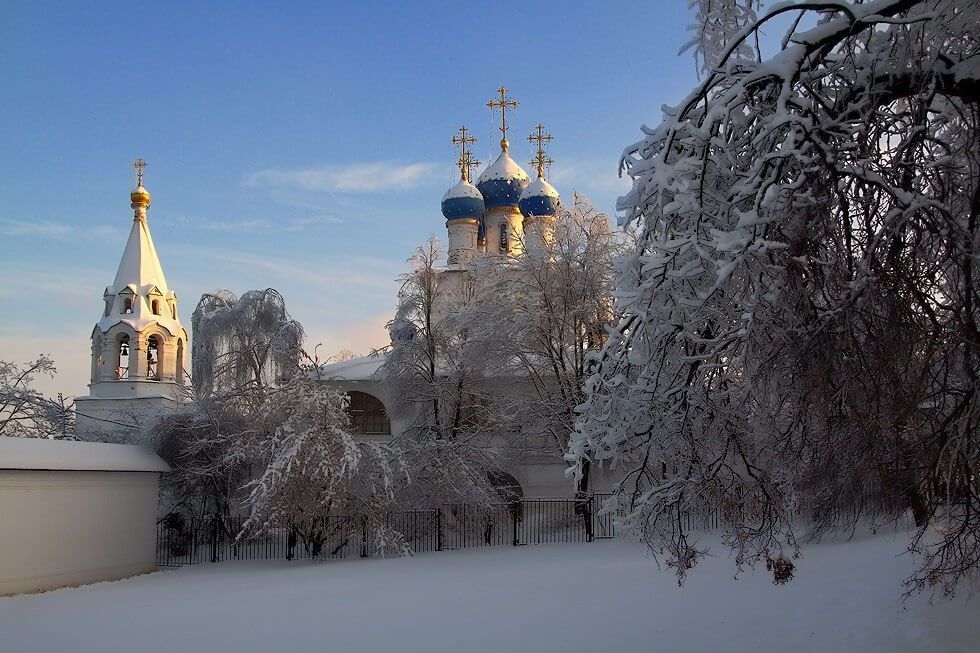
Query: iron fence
[[183, 541]]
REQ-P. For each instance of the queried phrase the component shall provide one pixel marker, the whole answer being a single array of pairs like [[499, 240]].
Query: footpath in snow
[[605, 596]]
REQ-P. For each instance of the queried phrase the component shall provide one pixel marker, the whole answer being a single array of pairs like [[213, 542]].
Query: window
[[153, 358], [156, 306], [128, 305], [122, 358], [367, 414], [173, 310], [503, 238], [180, 362]]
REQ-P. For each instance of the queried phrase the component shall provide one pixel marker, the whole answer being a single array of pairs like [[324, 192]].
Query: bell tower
[[138, 345]]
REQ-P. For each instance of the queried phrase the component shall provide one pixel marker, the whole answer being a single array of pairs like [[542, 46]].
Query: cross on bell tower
[[140, 165], [503, 103], [466, 161], [540, 160]]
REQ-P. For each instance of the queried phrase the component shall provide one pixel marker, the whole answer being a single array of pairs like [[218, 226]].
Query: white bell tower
[[138, 346]]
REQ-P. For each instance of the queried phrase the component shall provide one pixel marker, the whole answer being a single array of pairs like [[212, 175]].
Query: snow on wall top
[[41, 453]]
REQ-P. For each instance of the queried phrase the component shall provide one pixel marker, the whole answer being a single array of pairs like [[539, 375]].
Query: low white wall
[[75, 512]]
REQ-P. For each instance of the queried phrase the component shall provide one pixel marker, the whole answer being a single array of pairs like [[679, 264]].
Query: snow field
[[604, 596]]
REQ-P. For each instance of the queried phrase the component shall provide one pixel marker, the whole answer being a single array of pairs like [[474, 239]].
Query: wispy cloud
[[258, 224], [353, 178], [49, 229]]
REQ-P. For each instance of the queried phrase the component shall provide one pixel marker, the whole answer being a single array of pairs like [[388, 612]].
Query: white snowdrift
[[605, 596]]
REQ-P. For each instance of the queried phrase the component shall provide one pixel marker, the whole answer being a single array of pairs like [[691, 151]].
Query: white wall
[[74, 513]]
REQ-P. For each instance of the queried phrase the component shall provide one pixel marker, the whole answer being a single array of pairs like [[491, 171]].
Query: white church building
[[139, 348]]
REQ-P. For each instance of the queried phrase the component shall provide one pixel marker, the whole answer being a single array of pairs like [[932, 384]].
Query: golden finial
[[139, 164], [503, 103], [466, 161], [540, 160], [139, 198]]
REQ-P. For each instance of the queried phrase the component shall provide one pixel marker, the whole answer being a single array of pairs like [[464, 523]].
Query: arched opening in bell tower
[[153, 351], [179, 374], [97, 361], [122, 357]]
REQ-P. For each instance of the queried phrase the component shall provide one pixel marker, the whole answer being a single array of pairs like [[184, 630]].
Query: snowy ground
[[605, 596]]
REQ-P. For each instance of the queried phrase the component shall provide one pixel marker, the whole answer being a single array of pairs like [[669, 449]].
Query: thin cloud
[[258, 224], [49, 229], [354, 178]]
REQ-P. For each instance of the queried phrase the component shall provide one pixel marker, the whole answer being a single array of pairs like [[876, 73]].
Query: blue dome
[[462, 201], [502, 183], [539, 199]]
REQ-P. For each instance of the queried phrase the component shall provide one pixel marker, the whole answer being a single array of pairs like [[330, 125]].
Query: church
[[139, 346]]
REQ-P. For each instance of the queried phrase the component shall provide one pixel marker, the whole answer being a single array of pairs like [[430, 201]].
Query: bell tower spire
[[138, 345]]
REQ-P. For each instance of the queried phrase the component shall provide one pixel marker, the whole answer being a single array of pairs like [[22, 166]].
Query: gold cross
[[466, 160], [139, 164], [540, 160], [503, 104]]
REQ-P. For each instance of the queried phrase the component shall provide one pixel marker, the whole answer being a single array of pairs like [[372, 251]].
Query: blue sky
[[302, 146]]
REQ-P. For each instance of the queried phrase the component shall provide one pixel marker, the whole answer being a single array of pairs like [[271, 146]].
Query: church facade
[[140, 349], [495, 218]]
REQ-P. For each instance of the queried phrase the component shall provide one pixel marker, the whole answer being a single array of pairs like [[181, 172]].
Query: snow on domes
[[539, 199], [462, 201], [502, 182]]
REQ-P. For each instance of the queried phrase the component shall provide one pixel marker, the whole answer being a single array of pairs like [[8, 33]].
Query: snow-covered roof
[[503, 168], [140, 272], [41, 453], [539, 188], [355, 369], [463, 189], [140, 265]]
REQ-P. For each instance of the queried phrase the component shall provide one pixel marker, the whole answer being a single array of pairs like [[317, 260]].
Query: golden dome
[[140, 197]]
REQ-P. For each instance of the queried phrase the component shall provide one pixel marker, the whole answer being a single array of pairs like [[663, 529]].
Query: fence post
[[514, 517], [214, 539], [364, 537], [590, 520], [438, 529]]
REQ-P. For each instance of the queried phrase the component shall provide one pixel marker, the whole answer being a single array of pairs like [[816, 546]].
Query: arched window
[[97, 358], [503, 238], [128, 305], [173, 310], [368, 415], [153, 350], [179, 374], [156, 306], [122, 357]]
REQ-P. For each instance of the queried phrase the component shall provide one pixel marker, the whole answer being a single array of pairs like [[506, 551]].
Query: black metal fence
[[529, 521]]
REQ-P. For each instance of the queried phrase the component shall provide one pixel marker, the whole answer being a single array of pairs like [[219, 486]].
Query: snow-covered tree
[[243, 347], [437, 390], [243, 341], [204, 440], [24, 411], [538, 318], [316, 469], [799, 337]]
